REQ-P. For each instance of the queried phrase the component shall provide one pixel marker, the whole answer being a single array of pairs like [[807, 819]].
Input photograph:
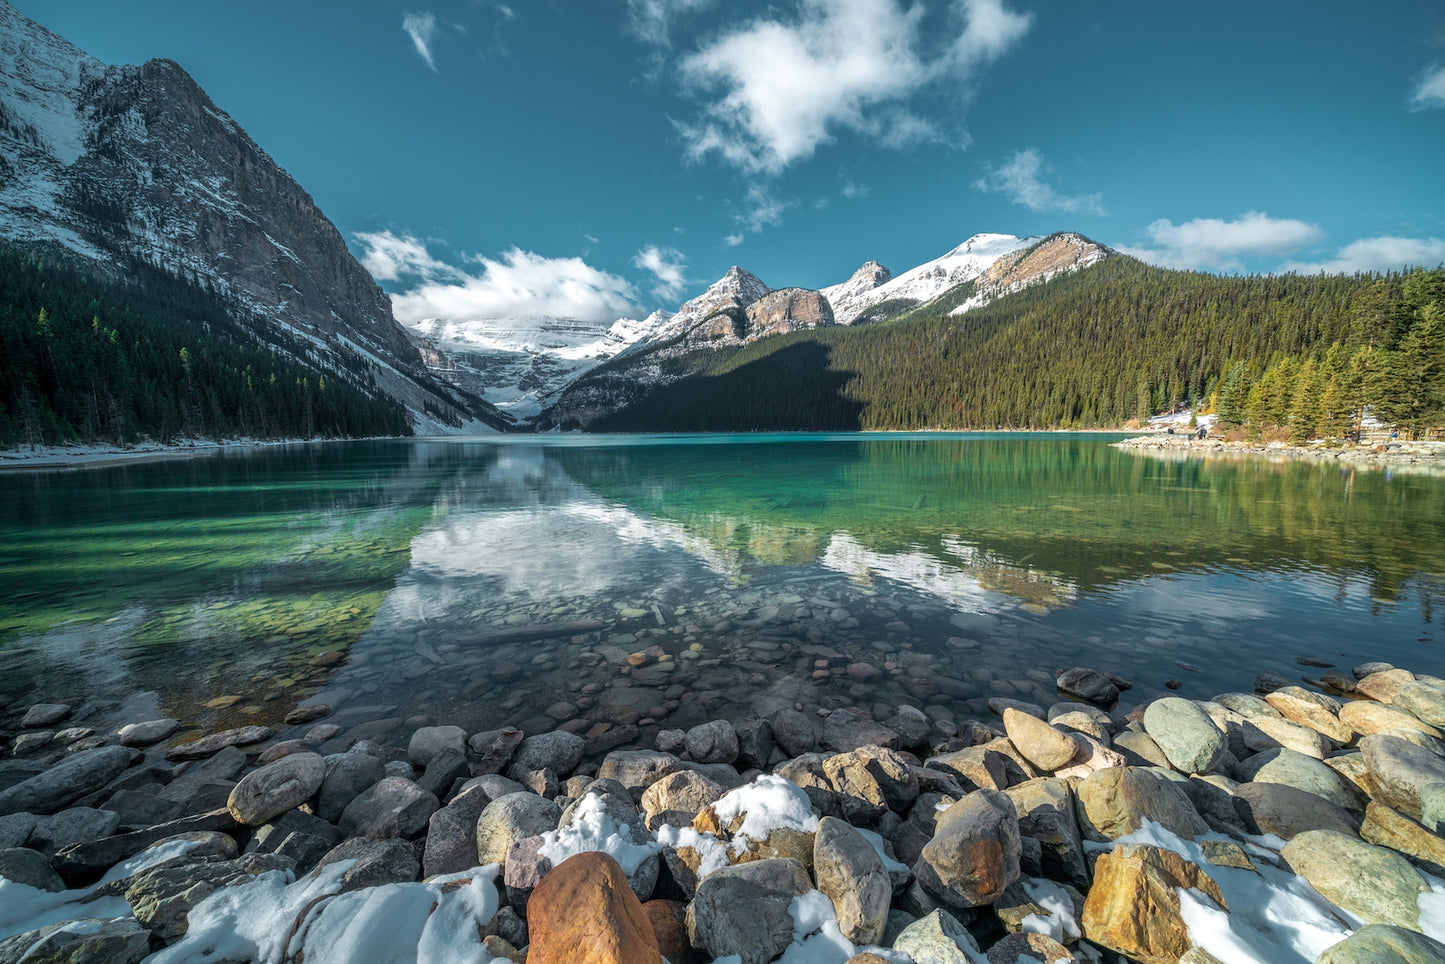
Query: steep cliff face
[[116, 163], [788, 309]]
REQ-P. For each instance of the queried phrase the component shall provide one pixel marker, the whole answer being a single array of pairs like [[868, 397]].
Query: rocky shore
[[1290, 823], [1392, 454]]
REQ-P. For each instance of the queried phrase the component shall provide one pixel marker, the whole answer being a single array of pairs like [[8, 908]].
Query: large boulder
[[1185, 733], [90, 940], [558, 751], [451, 834], [1287, 811], [1384, 944], [1367, 716], [743, 909], [163, 896], [1041, 744], [1376, 885], [1087, 685], [430, 742], [1046, 813], [374, 863], [713, 742], [1293, 769], [1425, 698], [1316, 711], [509, 819], [584, 913], [347, 775], [1388, 828], [1133, 907], [678, 798], [58, 787], [392, 807], [1400, 771], [1115, 802], [276, 787], [851, 873], [975, 852], [869, 781]]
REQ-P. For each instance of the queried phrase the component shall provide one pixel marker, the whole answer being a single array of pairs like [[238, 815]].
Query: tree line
[[1286, 355], [90, 358]]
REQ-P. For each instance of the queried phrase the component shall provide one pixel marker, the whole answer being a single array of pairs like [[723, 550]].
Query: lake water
[[506, 581]]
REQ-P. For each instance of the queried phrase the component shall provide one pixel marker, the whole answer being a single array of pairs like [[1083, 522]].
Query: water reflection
[[490, 582]]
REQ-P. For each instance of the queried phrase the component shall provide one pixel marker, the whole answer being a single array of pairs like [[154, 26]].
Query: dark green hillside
[[84, 358], [1098, 347]]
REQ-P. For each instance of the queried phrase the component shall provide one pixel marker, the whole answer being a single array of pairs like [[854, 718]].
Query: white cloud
[[1383, 253], [667, 265], [733, 240], [780, 88], [518, 284], [1019, 181], [651, 20], [1429, 89], [854, 189], [1212, 243], [422, 29], [761, 209]]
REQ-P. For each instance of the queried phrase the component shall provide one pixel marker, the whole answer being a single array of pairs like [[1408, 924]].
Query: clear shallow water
[[506, 581]]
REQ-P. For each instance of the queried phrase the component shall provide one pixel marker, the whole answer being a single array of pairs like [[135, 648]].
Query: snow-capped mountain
[[515, 363], [967, 262], [118, 163]]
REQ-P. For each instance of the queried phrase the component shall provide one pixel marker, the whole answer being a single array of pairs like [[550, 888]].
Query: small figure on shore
[[1203, 431]]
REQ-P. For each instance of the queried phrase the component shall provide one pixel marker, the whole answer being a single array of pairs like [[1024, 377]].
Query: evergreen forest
[[86, 358], [1276, 356]]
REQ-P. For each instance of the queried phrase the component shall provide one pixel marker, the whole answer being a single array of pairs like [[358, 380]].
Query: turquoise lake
[[506, 581]]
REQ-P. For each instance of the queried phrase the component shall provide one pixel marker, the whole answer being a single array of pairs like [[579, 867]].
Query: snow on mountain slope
[[515, 363], [136, 162], [917, 285]]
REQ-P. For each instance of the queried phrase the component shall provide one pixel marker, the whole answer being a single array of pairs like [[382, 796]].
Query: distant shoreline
[[53, 458], [1426, 457]]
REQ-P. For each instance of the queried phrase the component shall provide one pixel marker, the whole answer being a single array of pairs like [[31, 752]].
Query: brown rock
[[975, 853], [787, 309], [1385, 686], [1114, 802], [583, 912], [1041, 744], [1367, 716], [1298, 705], [669, 924], [1133, 907], [1387, 828], [1025, 948]]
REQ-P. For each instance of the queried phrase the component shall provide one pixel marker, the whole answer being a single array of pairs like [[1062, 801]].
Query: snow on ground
[[92, 456], [768, 803], [593, 829]]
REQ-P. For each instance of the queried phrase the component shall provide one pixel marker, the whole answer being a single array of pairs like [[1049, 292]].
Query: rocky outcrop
[[788, 309]]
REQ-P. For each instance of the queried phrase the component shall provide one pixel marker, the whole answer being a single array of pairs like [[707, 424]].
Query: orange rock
[[669, 923], [1133, 907], [583, 912]]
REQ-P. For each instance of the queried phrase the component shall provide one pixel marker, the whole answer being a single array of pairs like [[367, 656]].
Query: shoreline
[[60, 458], [842, 831], [1393, 455]]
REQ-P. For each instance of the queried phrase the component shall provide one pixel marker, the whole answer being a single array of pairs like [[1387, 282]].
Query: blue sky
[[606, 157]]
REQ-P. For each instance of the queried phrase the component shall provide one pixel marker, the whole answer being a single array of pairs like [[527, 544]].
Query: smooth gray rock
[[147, 733], [508, 819], [1185, 734], [975, 853], [45, 714], [347, 774], [1425, 698], [378, 862], [638, 769], [1087, 685], [1376, 885], [69, 780], [16, 828], [755, 743], [90, 940], [1401, 771], [442, 773], [844, 730], [793, 732], [29, 867], [1384, 944], [558, 751], [713, 742], [72, 826], [1294, 769], [430, 742], [1287, 811], [270, 838], [392, 807], [851, 873], [743, 909], [276, 787]]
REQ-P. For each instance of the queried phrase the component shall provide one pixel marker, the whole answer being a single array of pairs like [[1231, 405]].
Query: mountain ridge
[[111, 163]]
